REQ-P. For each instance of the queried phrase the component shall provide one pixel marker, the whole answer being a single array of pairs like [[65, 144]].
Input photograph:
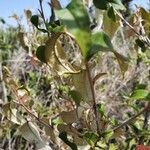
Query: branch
[[145, 39], [128, 121], [93, 97], [41, 11], [37, 118]]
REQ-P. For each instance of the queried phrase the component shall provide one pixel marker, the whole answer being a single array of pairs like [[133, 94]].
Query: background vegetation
[[79, 79]]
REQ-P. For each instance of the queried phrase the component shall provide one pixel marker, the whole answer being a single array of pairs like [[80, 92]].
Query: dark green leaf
[[2, 20], [76, 96], [63, 136], [111, 14], [35, 20], [43, 30], [141, 86], [100, 42], [91, 138], [40, 53], [101, 4], [141, 44]]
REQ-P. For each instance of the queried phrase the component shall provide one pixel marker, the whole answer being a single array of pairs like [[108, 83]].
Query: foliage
[[66, 58]]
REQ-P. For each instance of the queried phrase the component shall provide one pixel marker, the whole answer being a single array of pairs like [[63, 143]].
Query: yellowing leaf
[[122, 61], [110, 26], [55, 56], [82, 85], [69, 116]]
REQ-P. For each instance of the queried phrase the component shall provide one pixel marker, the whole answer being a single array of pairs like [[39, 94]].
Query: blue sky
[[9, 7]]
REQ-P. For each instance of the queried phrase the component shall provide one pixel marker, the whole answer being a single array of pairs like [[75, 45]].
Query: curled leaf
[[55, 56]]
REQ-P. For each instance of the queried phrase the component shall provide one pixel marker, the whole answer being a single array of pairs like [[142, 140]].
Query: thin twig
[[145, 39], [41, 11], [93, 97], [128, 121], [4, 90], [37, 118]]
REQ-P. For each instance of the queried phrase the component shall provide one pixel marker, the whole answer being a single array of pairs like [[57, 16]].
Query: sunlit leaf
[[101, 109], [109, 25], [55, 56], [91, 138], [100, 42], [117, 4], [108, 134], [139, 94], [76, 12], [104, 4], [113, 147]]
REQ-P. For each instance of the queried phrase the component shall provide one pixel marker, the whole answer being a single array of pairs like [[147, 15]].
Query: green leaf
[[63, 137], [139, 94], [108, 134], [100, 42], [91, 138], [141, 44], [56, 121], [111, 14], [117, 4], [113, 147], [2, 20], [76, 96], [109, 25], [101, 4], [35, 20], [77, 23], [40, 53], [101, 109]]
